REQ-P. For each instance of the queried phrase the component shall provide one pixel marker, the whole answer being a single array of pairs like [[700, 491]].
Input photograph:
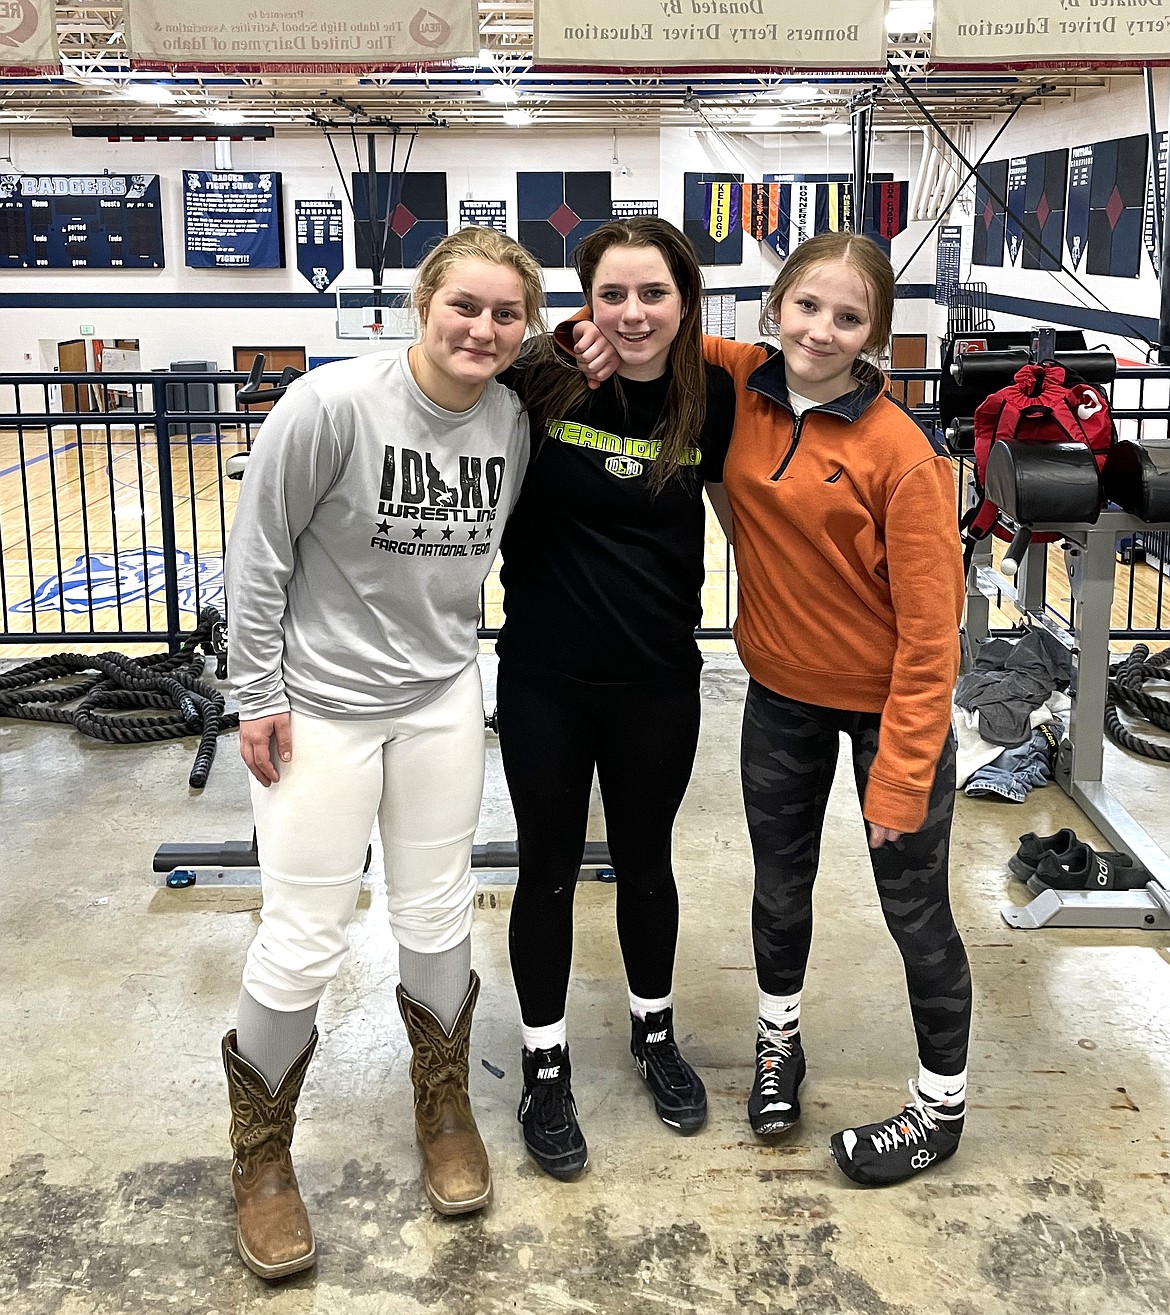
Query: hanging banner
[[1076, 214], [320, 255], [1157, 180], [28, 35], [888, 205], [760, 209], [232, 220], [1013, 224], [780, 238], [1048, 31], [835, 202], [802, 215], [723, 210], [694, 33], [353, 35], [483, 214]]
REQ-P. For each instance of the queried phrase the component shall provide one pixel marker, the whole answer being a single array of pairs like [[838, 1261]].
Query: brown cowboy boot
[[273, 1233], [456, 1174]]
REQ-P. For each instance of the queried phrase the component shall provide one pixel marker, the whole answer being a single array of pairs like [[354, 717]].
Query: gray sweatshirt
[[367, 521]]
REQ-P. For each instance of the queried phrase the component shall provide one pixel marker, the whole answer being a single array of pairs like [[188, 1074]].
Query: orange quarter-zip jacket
[[850, 570]]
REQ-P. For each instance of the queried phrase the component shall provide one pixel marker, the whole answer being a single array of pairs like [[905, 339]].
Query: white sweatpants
[[421, 775]]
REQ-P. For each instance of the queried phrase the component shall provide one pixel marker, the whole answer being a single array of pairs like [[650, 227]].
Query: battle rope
[[111, 699], [1125, 691]]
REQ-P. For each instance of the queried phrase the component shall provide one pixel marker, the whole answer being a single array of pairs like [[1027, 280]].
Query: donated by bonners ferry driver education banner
[[746, 33], [1040, 31]]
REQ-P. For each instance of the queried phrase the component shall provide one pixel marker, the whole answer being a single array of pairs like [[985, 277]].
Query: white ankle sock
[[640, 1007], [544, 1038], [939, 1089], [782, 1011]]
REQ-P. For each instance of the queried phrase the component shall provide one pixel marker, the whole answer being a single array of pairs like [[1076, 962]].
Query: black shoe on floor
[[881, 1154], [773, 1105], [1085, 868], [1033, 848], [679, 1095], [548, 1113]]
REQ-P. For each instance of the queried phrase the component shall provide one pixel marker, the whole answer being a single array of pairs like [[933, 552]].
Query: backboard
[[376, 314]]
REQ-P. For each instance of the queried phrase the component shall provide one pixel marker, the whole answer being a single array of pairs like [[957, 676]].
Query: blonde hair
[[866, 257], [479, 244]]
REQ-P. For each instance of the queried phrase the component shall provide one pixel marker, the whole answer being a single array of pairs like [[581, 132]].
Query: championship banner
[[28, 35], [1049, 31], [1076, 214], [320, 256], [350, 35], [695, 33], [634, 209], [1013, 224], [484, 214], [723, 210]]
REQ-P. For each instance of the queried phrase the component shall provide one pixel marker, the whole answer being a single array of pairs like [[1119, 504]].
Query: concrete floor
[[114, 1163]]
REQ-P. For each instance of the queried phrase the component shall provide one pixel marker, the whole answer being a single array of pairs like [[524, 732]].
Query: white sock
[[640, 1007], [782, 1011], [544, 1038], [940, 1089]]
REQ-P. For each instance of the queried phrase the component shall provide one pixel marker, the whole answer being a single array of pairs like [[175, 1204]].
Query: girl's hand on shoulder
[[879, 835], [595, 354], [257, 738]]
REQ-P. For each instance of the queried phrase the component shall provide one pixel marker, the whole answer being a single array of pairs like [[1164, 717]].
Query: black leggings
[[788, 759], [642, 739]]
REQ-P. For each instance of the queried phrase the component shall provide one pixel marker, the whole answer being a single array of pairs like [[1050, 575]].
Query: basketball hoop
[[374, 331]]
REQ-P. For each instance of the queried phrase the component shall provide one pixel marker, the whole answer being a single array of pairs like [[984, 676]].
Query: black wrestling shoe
[[548, 1113], [679, 1095], [773, 1105], [881, 1154]]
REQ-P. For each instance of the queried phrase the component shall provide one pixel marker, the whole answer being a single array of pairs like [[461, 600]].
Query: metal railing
[[114, 518]]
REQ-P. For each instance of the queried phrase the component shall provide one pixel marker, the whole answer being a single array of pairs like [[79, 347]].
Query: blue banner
[[232, 220], [320, 255], [1017, 187], [1076, 217]]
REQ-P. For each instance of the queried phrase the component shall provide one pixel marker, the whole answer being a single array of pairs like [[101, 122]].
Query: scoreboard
[[80, 221]]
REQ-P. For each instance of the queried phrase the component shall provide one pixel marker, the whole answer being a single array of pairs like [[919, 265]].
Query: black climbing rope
[[123, 700], [1125, 692]]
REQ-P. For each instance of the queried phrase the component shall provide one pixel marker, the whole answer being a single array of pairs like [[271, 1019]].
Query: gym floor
[[114, 1193]]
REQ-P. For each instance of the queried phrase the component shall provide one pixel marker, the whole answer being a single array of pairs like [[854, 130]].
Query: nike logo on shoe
[[548, 1074], [653, 1038]]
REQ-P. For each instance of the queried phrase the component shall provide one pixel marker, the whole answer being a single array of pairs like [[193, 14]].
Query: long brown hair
[[557, 387], [866, 257]]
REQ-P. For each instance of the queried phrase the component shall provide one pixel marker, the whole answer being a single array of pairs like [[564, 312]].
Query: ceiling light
[[765, 118], [799, 91], [834, 129], [149, 93], [910, 16], [498, 94], [517, 118], [225, 116]]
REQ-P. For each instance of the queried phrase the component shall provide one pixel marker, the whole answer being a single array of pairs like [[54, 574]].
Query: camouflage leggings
[[787, 760]]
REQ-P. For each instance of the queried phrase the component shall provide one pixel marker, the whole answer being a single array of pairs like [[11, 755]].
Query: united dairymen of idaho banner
[[286, 36], [749, 33], [28, 34], [1040, 31]]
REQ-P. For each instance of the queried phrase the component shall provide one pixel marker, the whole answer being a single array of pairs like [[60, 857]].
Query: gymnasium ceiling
[[98, 88]]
